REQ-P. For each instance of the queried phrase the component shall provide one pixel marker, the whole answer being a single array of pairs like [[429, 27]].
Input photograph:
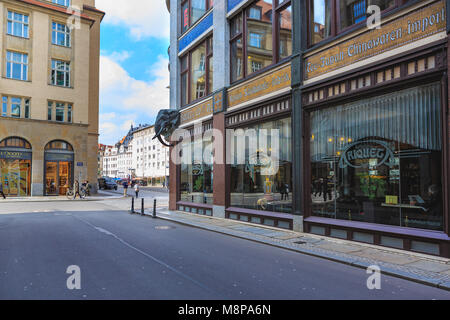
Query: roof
[[55, 7]]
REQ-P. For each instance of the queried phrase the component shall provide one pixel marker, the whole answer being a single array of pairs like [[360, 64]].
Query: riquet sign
[[356, 154], [199, 111], [412, 27]]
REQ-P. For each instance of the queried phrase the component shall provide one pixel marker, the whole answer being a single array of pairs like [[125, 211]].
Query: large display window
[[379, 160], [196, 183], [15, 167], [253, 187]]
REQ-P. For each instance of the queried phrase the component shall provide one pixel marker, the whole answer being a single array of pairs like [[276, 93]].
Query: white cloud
[[125, 100], [148, 18]]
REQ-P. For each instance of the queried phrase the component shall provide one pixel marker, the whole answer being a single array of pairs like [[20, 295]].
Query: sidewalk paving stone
[[430, 266], [399, 259]]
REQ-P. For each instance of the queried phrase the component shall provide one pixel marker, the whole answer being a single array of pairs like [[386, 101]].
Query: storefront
[[59, 168], [15, 167], [376, 153]]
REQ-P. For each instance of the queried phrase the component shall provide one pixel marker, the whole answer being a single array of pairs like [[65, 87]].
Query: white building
[[150, 158], [110, 162]]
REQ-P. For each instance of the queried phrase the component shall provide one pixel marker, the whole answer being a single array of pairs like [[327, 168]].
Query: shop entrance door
[[51, 178], [58, 177]]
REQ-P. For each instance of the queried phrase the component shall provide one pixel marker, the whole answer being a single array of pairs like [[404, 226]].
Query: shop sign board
[[417, 25], [264, 85], [199, 111], [15, 155]]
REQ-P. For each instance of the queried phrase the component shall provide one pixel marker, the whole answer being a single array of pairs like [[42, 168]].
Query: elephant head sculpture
[[166, 123]]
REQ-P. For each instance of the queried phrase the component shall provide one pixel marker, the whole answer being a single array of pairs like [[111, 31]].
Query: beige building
[[49, 90]]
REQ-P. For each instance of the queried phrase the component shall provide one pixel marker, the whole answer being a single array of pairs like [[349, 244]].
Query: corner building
[[362, 115], [49, 90]]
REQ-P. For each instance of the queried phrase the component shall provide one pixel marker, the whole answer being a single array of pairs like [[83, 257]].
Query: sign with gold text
[[412, 27], [199, 111], [272, 82]]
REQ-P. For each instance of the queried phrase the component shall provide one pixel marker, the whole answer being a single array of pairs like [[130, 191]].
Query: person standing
[[125, 188], [1, 190], [136, 189], [76, 190]]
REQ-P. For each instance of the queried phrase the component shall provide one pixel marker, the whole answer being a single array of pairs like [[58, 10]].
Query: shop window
[[196, 184], [15, 166], [254, 185], [192, 11], [15, 107], [254, 50], [379, 160], [197, 73]]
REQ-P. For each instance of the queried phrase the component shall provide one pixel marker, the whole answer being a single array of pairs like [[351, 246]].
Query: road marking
[[145, 254]]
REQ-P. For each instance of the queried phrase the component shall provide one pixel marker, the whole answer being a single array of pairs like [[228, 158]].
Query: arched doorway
[[59, 158], [15, 166]]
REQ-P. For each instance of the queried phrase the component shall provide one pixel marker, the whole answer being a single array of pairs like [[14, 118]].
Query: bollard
[[154, 208], [142, 206], [132, 205]]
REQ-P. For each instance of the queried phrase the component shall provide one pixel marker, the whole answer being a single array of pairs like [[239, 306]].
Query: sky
[[134, 73]]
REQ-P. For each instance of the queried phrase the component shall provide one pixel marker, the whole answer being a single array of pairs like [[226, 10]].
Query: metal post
[[142, 206], [154, 208], [132, 205]]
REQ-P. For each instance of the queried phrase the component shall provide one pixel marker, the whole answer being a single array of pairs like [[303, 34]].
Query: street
[[123, 256]]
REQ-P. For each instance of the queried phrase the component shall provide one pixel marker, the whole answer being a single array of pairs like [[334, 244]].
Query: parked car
[[107, 183]]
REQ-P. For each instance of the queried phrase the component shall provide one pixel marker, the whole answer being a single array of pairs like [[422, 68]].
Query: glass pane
[[236, 25], [15, 107], [256, 181], [259, 36], [372, 161], [237, 62], [198, 72], [184, 16], [51, 176], [198, 8], [184, 89], [285, 35], [320, 20], [355, 11]]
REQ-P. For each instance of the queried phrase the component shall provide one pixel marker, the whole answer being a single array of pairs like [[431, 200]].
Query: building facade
[[49, 87], [361, 112], [150, 158]]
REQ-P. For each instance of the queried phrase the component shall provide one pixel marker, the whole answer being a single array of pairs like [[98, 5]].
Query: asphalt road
[[124, 256]]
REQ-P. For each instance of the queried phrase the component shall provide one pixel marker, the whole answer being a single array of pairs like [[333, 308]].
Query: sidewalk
[[422, 268], [97, 197]]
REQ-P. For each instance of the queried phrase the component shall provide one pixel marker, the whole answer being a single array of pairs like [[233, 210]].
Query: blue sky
[[133, 65]]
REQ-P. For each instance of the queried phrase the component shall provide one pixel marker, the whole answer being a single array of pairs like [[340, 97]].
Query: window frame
[[54, 73], [209, 4], [22, 23], [24, 107], [21, 63], [277, 7], [67, 33], [336, 29], [208, 42]]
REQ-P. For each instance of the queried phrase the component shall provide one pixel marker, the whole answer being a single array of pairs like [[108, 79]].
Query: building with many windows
[[49, 90], [361, 111]]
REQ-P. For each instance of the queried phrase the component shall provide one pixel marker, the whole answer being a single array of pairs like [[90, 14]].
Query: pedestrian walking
[[1, 190], [136, 190], [125, 188]]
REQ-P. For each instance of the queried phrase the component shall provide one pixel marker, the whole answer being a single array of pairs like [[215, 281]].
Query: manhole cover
[[164, 228]]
